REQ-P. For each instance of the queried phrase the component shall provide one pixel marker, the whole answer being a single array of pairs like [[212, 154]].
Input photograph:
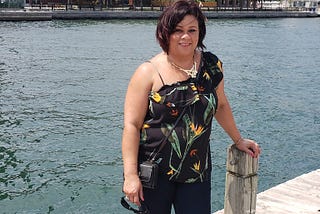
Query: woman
[[182, 80]]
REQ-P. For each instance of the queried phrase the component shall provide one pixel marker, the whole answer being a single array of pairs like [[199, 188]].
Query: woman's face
[[184, 39]]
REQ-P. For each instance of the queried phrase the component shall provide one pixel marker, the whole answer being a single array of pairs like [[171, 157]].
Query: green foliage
[[12, 4]]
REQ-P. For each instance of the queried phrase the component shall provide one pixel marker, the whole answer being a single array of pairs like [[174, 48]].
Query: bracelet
[[238, 141]]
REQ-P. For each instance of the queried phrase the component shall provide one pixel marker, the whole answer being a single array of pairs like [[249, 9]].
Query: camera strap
[[165, 139]]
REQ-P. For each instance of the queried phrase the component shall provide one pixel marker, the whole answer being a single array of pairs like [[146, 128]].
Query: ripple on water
[[62, 87]]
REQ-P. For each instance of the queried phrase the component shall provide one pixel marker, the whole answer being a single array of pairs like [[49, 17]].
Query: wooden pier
[[300, 195]]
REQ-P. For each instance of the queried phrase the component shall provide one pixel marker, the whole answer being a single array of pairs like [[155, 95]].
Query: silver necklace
[[192, 72]]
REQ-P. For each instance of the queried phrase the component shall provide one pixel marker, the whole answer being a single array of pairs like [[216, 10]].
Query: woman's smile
[[185, 36]]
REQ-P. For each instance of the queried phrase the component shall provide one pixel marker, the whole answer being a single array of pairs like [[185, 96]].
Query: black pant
[[192, 198]]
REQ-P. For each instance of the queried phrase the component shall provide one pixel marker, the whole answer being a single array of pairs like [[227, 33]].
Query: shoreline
[[38, 15]]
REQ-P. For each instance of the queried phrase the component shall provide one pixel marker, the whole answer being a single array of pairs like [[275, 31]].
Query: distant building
[[269, 5], [311, 5]]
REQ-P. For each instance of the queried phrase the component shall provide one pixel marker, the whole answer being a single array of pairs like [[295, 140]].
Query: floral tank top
[[186, 155]]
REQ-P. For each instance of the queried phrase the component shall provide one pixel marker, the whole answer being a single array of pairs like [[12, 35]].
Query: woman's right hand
[[133, 190]]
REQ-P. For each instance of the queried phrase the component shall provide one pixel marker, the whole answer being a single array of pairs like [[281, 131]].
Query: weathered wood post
[[241, 182]]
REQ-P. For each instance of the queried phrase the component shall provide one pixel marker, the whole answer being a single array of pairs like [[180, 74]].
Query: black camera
[[148, 173]]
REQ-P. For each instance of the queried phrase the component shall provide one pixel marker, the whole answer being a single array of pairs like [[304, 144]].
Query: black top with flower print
[[186, 154]]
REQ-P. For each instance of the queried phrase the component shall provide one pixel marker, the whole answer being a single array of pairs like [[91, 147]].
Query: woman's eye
[[181, 31]]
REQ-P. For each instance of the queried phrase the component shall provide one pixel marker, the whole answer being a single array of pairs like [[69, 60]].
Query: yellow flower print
[[219, 65], [197, 130], [170, 172], [197, 97], [206, 75], [156, 97], [192, 126], [196, 166], [145, 126], [193, 87]]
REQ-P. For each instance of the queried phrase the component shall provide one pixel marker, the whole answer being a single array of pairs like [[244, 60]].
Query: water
[[62, 86]]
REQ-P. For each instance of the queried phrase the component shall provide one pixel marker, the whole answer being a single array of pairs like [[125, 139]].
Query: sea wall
[[24, 15]]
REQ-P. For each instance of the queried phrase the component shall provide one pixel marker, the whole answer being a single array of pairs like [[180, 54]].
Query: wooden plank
[[241, 182], [300, 195], [240, 162], [241, 194]]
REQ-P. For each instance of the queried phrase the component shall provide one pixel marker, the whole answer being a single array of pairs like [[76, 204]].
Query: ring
[[127, 198]]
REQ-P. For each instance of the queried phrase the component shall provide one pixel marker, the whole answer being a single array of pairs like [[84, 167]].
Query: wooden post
[[241, 183]]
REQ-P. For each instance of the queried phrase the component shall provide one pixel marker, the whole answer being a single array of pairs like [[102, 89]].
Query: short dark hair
[[173, 15]]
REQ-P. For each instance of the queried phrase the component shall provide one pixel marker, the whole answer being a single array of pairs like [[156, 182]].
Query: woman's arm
[[226, 120], [135, 108]]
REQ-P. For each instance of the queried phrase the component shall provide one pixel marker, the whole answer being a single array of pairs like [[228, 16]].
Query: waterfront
[[62, 85], [45, 15]]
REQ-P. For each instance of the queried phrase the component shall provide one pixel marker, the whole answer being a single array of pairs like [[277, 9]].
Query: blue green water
[[62, 86]]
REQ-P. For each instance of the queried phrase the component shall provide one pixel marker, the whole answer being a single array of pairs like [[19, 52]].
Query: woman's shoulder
[[213, 66], [210, 59], [147, 66], [145, 73], [158, 59], [209, 56]]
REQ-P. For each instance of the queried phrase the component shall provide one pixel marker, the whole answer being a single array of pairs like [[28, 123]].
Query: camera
[[148, 173]]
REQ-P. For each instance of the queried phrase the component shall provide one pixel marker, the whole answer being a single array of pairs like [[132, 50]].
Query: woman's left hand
[[249, 146]]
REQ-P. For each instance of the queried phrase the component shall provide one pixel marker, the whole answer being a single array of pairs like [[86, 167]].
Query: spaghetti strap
[[157, 71]]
